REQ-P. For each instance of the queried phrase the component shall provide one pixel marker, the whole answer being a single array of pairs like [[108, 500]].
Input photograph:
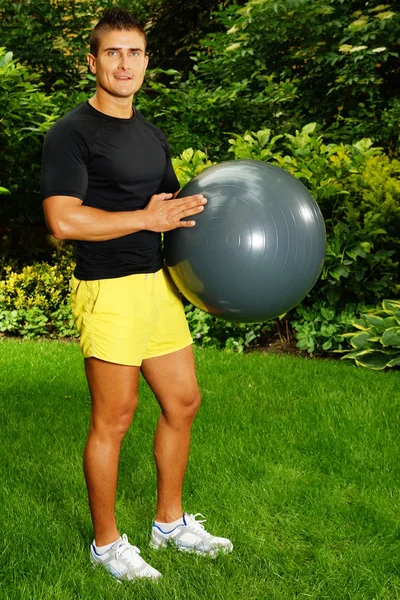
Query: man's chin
[[122, 94]]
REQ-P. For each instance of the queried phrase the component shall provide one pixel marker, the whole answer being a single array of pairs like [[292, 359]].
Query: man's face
[[120, 64]]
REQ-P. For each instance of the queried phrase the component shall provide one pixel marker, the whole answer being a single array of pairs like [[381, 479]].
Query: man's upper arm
[[65, 162], [57, 210], [64, 178]]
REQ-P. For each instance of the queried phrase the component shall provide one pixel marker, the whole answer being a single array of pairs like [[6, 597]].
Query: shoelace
[[198, 524], [123, 550]]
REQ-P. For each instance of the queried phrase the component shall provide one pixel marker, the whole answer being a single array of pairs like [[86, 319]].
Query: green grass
[[296, 460]]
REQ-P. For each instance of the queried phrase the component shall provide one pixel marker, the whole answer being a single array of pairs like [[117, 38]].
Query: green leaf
[[352, 354], [6, 59], [394, 362], [309, 128], [356, 251], [338, 272], [359, 324], [187, 154], [374, 321], [360, 340], [392, 305], [390, 322], [366, 246], [391, 337], [373, 359]]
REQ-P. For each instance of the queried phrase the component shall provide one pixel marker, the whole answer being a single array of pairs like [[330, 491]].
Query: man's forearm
[[92, 224]]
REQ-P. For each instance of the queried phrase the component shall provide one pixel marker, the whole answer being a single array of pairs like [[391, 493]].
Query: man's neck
[[121, 108]]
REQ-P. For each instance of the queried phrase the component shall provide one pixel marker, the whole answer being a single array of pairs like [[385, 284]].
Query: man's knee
[[113, 427], [183, 408]]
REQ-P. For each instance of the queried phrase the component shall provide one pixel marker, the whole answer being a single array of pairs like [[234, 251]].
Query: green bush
[[35, 301], [358, 266], [376, 188], [319, 328], [282, 63], [27, 113], [376, 341], [189, 164], [210, 332], [361, 265]]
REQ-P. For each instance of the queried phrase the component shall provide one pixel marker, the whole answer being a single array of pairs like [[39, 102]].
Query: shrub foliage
[[308, 86]]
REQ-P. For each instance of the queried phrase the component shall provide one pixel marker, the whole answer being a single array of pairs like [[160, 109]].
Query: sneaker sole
[[96, 564], [157, 545]]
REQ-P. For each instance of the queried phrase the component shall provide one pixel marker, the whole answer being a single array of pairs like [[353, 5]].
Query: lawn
[[296, 460]]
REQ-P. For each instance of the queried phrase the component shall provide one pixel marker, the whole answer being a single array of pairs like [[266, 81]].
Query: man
[[109, 186]]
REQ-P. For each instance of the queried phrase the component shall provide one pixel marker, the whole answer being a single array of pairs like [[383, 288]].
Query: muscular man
[[109, 186]]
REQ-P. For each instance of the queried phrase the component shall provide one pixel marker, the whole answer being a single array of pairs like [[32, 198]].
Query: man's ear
[[91, 59]]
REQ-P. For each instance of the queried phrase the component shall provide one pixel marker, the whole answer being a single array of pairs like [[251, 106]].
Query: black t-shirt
[[114, 165]]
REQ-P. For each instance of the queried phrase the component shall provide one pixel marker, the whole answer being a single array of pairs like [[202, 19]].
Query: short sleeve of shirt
[[65, 159], [169, 183]]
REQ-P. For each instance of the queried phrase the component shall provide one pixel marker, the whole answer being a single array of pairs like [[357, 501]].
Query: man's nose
[[123, 61]]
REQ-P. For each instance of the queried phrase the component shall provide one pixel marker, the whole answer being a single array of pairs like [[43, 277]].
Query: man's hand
[[164, 212]]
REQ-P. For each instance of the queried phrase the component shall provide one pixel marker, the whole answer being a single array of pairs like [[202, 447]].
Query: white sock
[[103, 549], [166, 527]]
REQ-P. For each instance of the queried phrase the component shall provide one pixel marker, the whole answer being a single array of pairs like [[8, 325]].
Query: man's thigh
[[113, 389], [172, 376]]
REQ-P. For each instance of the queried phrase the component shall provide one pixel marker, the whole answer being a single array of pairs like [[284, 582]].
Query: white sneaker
[[123, 561], [190, 537]]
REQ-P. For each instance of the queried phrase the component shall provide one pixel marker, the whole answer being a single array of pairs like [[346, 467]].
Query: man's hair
[[114, 19]]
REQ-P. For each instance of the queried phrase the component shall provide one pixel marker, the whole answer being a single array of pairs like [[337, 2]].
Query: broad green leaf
[[309, 128], [394, 362], [353, 354], [187, 154], [391, 337], [338, 272], [355, 251], [392, 305], [366, 246], [373, 359], [390, 322], [6, 59], [359, 324], [374, 321], [360, 340]]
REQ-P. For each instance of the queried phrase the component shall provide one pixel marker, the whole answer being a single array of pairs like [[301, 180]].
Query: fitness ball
[[256, 250]]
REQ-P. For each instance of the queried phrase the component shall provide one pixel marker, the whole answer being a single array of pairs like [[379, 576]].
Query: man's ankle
[[105, 539], [168, 516]]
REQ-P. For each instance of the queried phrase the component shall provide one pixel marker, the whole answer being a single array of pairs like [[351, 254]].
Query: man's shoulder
[[79, 120], [155, 130]]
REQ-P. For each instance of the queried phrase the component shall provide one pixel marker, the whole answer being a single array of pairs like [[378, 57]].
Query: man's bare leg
[[114, 394], [173, 380]]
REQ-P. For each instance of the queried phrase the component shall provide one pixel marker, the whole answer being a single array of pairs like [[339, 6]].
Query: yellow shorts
[[128, 319]]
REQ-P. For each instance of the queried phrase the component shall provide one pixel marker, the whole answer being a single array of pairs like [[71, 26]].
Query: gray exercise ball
[[256, 250]]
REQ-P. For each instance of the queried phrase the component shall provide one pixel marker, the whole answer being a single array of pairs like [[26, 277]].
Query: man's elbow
[[57, 228], [59, 234], [59, 213]]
